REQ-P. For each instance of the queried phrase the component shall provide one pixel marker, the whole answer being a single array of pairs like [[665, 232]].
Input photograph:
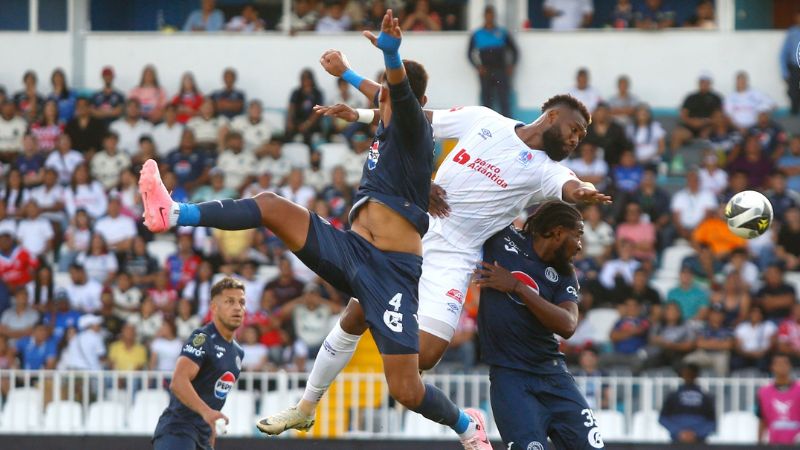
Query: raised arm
[[388, 41], [335, 63]]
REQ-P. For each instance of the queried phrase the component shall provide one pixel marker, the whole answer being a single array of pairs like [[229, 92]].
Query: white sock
[[174, 212], [469, 432], [336, 352]]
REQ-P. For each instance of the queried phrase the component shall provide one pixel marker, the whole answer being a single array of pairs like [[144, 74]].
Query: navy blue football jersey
[[511, 336], [220, 362], [398, 169]]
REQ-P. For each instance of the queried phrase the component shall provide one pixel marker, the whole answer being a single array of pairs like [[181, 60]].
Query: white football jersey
[[490, 176]]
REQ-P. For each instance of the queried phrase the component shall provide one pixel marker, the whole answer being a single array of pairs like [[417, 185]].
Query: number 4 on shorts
[[395, 301]]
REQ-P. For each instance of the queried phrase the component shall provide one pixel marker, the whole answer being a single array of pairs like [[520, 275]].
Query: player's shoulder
[[510, 239]]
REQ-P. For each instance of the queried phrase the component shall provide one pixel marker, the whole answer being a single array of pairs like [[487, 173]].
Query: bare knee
[[431, 350], [266, 200], [407, 392], [352, 320]]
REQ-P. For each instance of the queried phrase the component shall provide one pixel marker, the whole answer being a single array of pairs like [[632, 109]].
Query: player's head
[[566, 120], [781, 366], [562, 226], [417, 79], [227, 303], [690, 372]]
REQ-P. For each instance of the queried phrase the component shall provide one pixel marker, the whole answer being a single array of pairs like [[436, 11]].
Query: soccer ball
[[749, 214]]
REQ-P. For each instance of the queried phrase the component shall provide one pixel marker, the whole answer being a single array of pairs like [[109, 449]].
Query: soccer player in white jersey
[[493, 173]]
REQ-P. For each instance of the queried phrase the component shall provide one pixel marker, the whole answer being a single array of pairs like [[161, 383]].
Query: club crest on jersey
[[527, 280], [224, 385], [551, 274], [525, 157], [456, 295], [198, 340], [372, 157], [485, 134]]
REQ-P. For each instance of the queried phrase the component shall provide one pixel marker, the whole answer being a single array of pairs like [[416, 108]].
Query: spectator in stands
[[190, 165], [339, 194], [777, 405], [165, 348], [188, 99], [623, 104], [182, 265], [703, 264], [690, 205], [254, 129], [790, 71], [262, 183], [185, 320], [647, 136], [588, 167], [587, 94], [198, 290], [149, 94], [166, 136], [421, 18], [127, 298], [112, 324], [696, 112], [776, 297], [117, 230], [274, 161], [216, 190], [607, 134], [62, 95], [314, 176], [14, 193], [627, 175], [285, 286], [76, 239], [639, 232], [754, 339], [86, 350], [48, 128], [18, 322], [34, 232], [641, 290], [617, 274], [164, 296], [568, 15], [691, 297], [629, 337], [788, 335], [107, 102], [41, 291], [743, 105], [16, 264], [37, 351], [622, 15], [207, 18], [671, 338], [101, 265], [596, 393], [714, 344], [140, 264], [236, 164], [771, 134], [713, 232], [725, 140], [128, 191], [126, 353], [12, 129], [83, 292], [30, 163], [787, 250], [780, 196], [654, 201], [654, 15], [703, 16], [733, 298], [229, 101], [303, 17], [255, 353], [107, 165], [28, 99], [712, 177], [301, 121], [131, 128], [297, 191], [789, 164], [689, 413], [334, 18], [85, 193], [208, 128], [235, 246], [754, 162], [247, 22], [311, 315], [86, 131]]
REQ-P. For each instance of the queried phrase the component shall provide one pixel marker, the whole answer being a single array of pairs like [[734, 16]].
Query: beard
[[554, 145], [562, 262]]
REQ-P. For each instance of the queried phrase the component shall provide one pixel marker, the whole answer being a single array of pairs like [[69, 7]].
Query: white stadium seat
[[23, 410], [161, 250], [298, 154], [147, 408], [63, 417], [240, 408], [333, 155], [736, 427], [646, 428], [612, 425], [106, 418], [602, 321], [672, 259]]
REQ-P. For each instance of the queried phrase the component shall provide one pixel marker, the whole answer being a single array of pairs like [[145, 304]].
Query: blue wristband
[[352, 78], [390, 44], [392, 60]]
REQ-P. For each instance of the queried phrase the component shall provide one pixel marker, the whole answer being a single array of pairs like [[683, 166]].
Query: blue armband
[[351, 77], [390, 45]]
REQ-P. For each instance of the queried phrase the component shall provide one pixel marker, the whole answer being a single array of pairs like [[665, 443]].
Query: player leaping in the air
[[528, 292], [378, 261]]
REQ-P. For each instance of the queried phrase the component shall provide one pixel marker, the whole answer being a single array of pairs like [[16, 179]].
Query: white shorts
[[446, 272]]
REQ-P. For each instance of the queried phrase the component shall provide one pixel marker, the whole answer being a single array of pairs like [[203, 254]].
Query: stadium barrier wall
[[664, 66], [357, 406]]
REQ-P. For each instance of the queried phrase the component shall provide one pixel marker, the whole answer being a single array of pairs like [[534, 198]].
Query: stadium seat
[[63, 417], [602, 321], [793, 280], [147, 408], [240, 407], [23, 410], [663, 285], [737, 427], [333, 155], [161, 250], [105, 418], [645, 428], [415, 426], [267, 272], [275, 119], [612, 425], [298, 154], [672, 259]]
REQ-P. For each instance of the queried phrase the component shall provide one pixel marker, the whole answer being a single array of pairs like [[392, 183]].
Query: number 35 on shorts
[[394, 319]]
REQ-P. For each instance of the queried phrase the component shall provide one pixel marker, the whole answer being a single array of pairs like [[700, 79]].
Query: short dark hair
[[570, 102], [226, 283], [417, 77], [550, 215]]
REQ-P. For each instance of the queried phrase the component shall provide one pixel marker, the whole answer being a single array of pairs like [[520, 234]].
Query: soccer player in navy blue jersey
[[528, 292], [378, 261], [205, 373]]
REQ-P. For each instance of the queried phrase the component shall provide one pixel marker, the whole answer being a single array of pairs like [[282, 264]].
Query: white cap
[[89, 320], [706, 75]]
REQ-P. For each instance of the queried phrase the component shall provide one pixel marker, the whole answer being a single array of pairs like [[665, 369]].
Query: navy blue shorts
[[177, 442], [529, 408], [385, 283]]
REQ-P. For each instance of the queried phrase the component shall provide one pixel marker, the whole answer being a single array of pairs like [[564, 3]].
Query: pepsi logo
[[224, 385], [527, 280]]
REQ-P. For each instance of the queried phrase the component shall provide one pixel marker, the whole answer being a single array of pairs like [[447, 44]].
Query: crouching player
[[206, 371], [528, 292]]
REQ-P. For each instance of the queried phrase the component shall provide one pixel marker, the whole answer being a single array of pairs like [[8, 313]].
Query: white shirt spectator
[[254, 189], [254, 356], [569, 14], [755, 338], [166, 138], [84, 352], [106, 168], [9, 225], [743, 107], [33, 234], [64, 165], [316, 179], [596, 168], [328, 24], [166, 353], [85, 297], [645, 141], [715, 181], [185, 327], [303, 196], [597, 240], [116, 229], [237, 167], [129, 134], [146, 328], [125, 300], [590, 97], [253, 289], [692, 206], [749, 273], [254, 134], [279, 168], [99, 267], [47, 198], [91, 197], [311, 326], [618, 267], [206, 131], [200, 294], [11, 133], [353, 165]]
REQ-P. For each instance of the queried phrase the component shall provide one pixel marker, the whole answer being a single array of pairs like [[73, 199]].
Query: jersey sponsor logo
[[535, 445], [456, 295], [220, 355], [525, 157], [462, 157], [393, 320], [572, 290], [224, 385], [199, 340], [512, 246], [454, 308], [595, 440], [219, 348], [484, 168], [527, 280], [485, 134], [193, 351], [551, 274], [372, 157]]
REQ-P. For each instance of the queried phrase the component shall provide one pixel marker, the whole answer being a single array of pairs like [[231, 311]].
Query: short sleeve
[[196, 347], [567, 291], [455, 122], [553, 180]]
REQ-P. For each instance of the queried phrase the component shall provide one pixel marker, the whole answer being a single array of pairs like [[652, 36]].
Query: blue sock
[[463, 422], [440, 409], [225, 214]]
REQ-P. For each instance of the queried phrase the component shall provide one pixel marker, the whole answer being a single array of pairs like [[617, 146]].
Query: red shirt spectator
[[188, 99], [16, 264], [182, 266]]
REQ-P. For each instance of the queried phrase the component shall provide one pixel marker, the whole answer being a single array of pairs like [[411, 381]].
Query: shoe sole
[[270, 432]]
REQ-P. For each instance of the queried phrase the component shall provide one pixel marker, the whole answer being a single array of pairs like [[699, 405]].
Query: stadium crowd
[[81, 288]]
